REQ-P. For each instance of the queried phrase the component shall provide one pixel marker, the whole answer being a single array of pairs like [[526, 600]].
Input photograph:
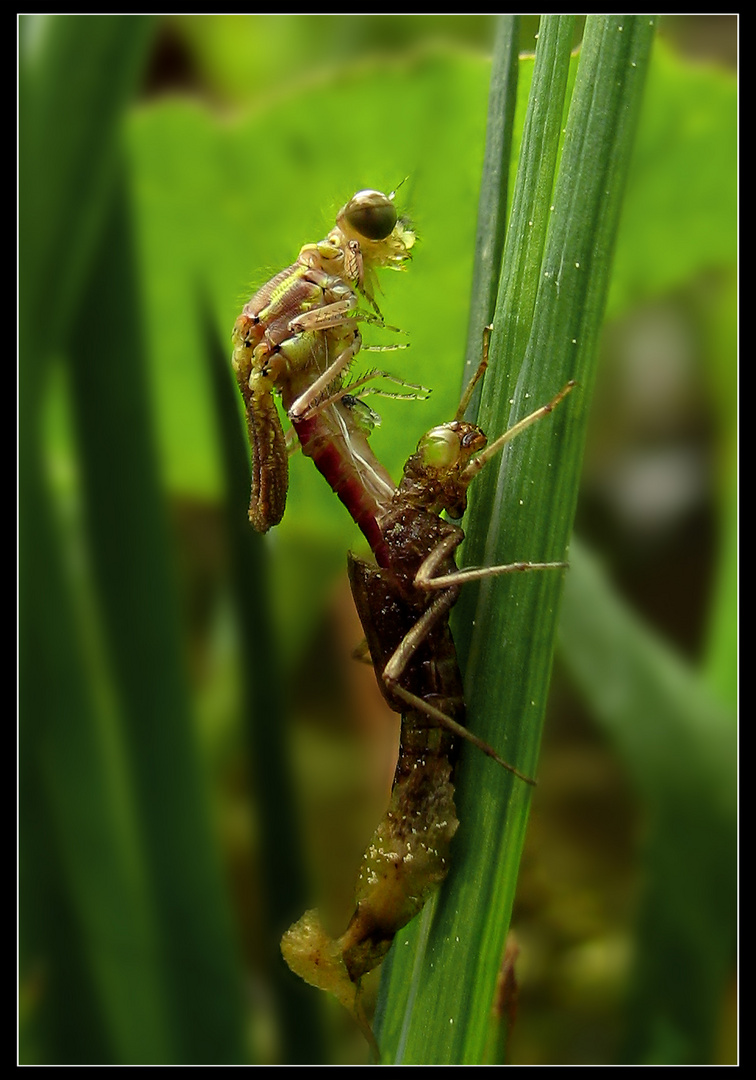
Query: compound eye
[[440, 448], [371, 214]]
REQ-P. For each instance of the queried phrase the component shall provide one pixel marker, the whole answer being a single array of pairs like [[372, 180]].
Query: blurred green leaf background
[[168, 166]]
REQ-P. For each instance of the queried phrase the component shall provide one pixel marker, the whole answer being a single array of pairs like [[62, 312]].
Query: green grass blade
[[76, 76], [494, 200], [523, 253], [453, 974], [128, 936], [138, 604], [85, 909], [678, 743]]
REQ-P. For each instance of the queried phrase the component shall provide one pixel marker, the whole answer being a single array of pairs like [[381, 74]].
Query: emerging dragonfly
[[404, 606], [300, 332]]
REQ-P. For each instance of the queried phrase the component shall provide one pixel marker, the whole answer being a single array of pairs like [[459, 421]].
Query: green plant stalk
[[450, 960], [530, 216], [494, 194]]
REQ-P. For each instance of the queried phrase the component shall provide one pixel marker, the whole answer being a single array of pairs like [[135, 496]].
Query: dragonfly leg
[[307, 404], [358, 390], [302, 407], [460, 730], [338, 313], [401, 657], [427, 579], [480, 459], [477, 573], [414, 638], [477, 376]]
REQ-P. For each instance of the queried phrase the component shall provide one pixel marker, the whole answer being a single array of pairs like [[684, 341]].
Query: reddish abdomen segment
[[341, 472]]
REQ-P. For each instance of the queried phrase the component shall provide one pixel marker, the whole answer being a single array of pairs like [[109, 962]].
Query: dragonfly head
[[370, 215], [435, 476], [371, 219]]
